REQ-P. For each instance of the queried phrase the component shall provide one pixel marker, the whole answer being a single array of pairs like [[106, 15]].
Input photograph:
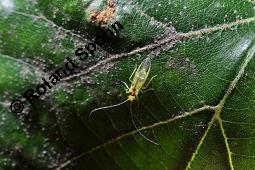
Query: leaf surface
[[201, 111]]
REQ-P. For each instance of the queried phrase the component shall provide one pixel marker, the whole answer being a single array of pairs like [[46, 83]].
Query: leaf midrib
[[149, 47], [157, 44]]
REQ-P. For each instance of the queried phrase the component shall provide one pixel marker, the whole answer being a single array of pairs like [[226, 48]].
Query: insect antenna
[[106, 107], [132, 117]]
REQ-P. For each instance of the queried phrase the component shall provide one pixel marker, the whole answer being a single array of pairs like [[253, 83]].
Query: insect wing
[[145, 65], [144, 69]]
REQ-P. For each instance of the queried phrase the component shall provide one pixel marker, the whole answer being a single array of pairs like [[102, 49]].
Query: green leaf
[[200, 111]]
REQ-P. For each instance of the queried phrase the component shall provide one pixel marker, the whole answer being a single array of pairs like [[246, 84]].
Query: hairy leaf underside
[[201, 111]]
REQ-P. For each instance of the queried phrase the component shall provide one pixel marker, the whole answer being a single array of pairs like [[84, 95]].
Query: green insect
[[138, 79]]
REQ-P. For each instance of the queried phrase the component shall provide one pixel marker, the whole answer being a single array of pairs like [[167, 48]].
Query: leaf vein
[[168, 40], [185, 114]]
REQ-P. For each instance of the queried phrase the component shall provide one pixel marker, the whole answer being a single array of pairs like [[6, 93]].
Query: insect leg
[[130, 78], [149, 82], [145, 90], [127, 88]]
